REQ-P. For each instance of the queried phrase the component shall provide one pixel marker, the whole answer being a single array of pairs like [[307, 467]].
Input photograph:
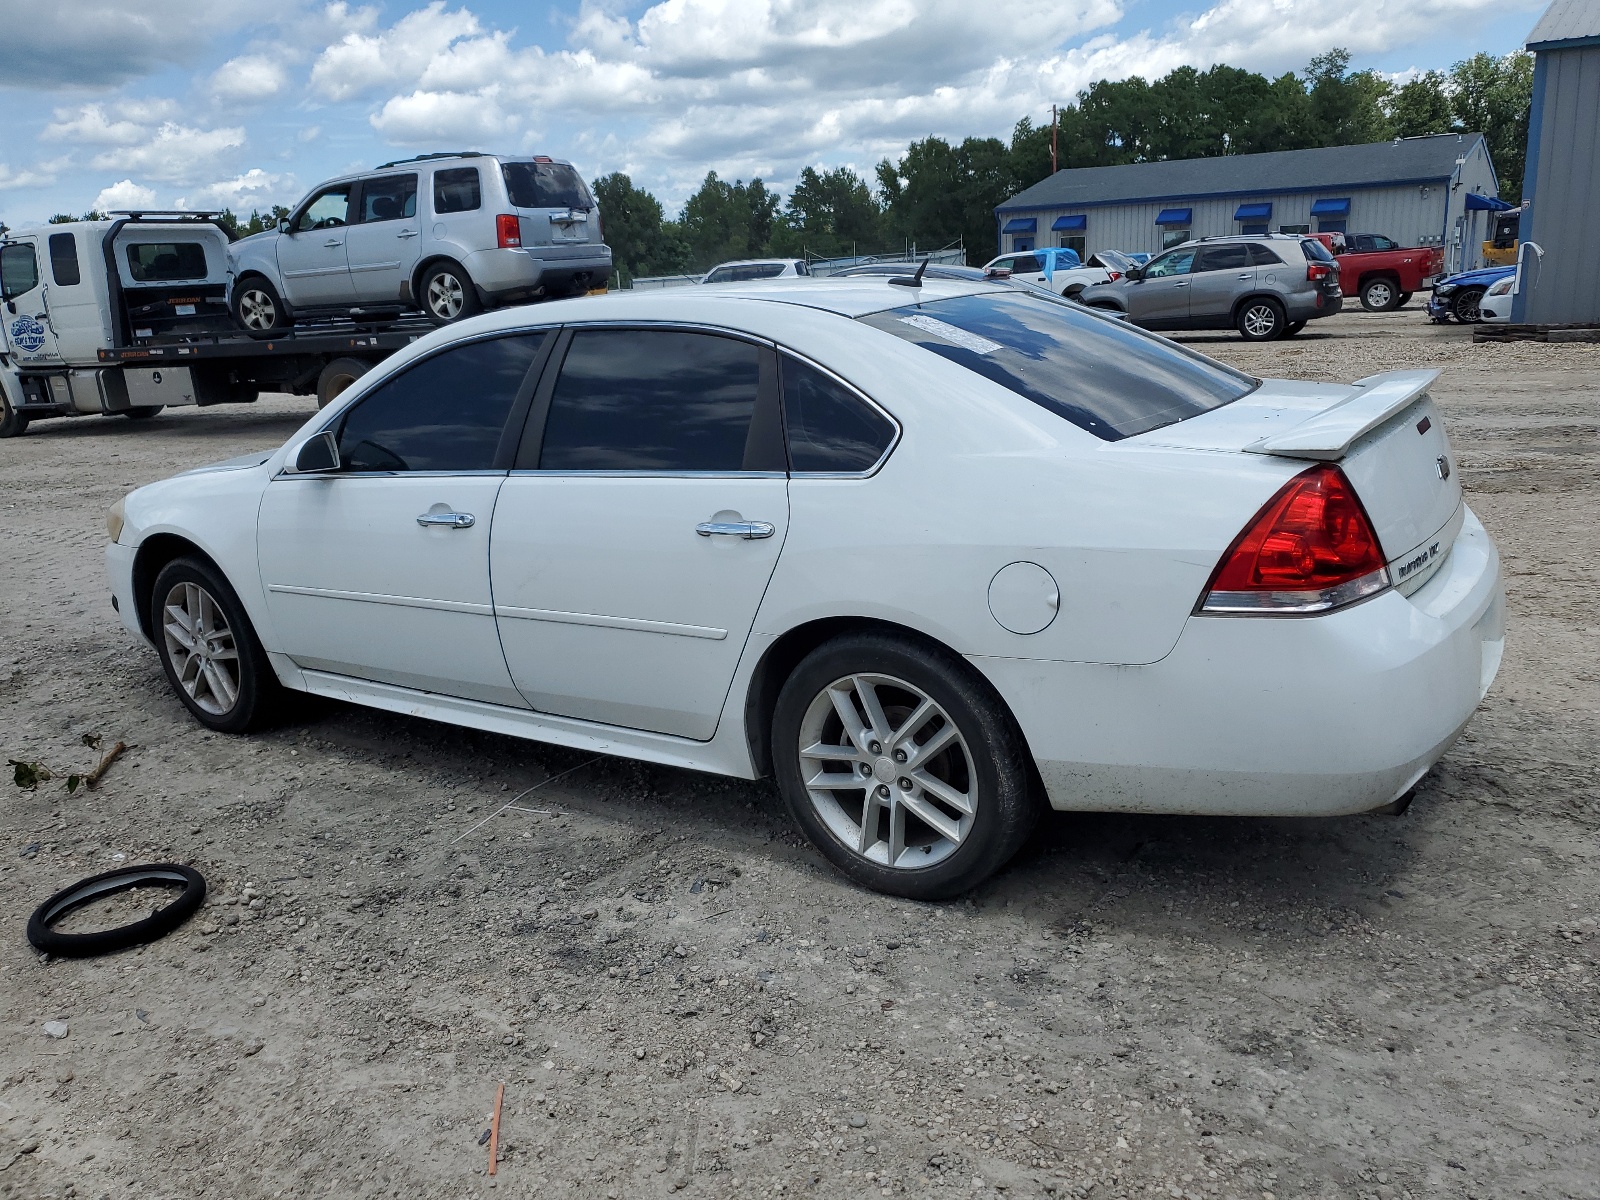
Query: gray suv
[[451, 234], [1266, 286]]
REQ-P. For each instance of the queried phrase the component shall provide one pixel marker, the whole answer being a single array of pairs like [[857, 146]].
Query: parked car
[[743, 270], [1458, 295], [1378, 270], [1265, 286], [451, 234], [1059, 269], [1495, 307], [947, 271], [932, 557]]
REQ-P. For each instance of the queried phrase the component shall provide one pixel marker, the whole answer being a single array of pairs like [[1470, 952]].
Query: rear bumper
[[1272, 717], [506, 275]]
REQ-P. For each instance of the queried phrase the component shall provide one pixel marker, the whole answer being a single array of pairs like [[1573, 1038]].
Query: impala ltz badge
[[1444, 467]]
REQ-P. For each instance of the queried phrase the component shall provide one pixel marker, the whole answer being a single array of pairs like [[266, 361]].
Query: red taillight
[[1316, 270], [1311, 549], [509, 230], [1113, 276]]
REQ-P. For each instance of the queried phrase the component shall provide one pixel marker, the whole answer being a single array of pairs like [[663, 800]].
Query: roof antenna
[[911, 280]]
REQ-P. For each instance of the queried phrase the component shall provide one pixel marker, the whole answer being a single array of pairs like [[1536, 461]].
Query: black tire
[[12, 423], [1464, 305], [142, 413], [257, 307], [338, 375], [994, 760], [1380, 295], [1261, 319], [447, 294], [1405, 299], [257, 694], [1293, 327], [159, 923]]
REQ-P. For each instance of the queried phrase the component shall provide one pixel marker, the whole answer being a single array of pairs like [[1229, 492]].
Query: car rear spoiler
[[1330, 434]]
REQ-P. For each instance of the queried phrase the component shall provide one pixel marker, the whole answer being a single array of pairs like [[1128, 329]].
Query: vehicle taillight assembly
[[509, 230], [1113, 276], [1316, 271], [1311, 549]]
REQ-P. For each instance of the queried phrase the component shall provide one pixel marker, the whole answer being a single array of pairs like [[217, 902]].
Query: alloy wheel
[[201, 647], [1380, 296], [1260, 320], [257, 310], [445, 296], [1466, 306], [887, 771]]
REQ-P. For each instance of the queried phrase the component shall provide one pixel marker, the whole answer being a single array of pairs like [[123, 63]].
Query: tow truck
[[128, 316]]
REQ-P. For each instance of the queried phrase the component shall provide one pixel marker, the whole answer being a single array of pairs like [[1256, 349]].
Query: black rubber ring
[[158, 924]]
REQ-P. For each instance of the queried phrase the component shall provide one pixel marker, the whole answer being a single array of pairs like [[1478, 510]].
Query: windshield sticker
[[959, 337]]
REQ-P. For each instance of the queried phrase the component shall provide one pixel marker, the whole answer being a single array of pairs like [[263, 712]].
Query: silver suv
[[1266, 286], [451, 234]]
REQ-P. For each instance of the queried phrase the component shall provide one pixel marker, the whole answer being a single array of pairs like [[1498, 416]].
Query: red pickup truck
[[1379, 270]]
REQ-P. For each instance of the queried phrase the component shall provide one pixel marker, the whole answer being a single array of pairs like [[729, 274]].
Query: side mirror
[[317, 455], [283, 227], [1135, 274]]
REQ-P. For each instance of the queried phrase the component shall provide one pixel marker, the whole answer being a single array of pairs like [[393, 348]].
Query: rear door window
[[1025, 264], [1264, 256], [653, 401], [388, 198], [166, 262], [64, 259], [457, 189], [545, 185], [1235, 256], [1103, 376], [446, 413], [829, 428]]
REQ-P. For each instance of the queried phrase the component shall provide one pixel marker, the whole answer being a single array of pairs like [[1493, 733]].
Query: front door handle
[[406, 233], [1181, 283], [449, 520], [1246, 274], [750, 531], [332, 243]]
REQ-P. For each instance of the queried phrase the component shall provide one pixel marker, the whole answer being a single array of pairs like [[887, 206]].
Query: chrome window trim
[[649, 474], [480, 474]]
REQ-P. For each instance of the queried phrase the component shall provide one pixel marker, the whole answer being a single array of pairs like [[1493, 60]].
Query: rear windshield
[[166, 262], [1315, 249], [1098, 373], [545, 185], [744, 272]]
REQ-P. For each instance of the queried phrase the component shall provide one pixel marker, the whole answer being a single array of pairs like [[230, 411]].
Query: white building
[[1414, 190]]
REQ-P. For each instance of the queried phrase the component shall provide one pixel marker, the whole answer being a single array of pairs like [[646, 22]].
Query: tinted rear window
[[455, 189], [164, 262], [1098, 373], [545, 185], [1315, 249]]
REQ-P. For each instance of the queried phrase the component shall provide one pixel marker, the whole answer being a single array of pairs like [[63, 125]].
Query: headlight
[[114, 519]]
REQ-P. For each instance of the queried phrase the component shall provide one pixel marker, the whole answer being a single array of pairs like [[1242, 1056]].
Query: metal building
[[1557, 281], [1422, 191]]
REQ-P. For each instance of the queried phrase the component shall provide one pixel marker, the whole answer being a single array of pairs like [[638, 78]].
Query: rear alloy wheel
[[1293, 327], [447, 294], [1465, 306], [902, 767], [257, 307], [208, 649], [1261, 320], [1379, 295], [1405, 299]]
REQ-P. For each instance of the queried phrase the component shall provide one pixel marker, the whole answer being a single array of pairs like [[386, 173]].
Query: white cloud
[[99, 44], [442, 118], [360, 63], [248, 79], [174, 153], [41, 174], [255, 189], [125, 194], [130, 121]]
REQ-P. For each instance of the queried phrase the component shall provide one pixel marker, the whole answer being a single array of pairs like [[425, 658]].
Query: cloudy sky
[[200, 103]]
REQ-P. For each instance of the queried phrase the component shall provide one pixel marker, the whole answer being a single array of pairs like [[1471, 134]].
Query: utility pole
[[1054, 124]]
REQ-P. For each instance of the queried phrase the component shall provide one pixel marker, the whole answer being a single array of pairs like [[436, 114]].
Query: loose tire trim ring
[[97, 887]]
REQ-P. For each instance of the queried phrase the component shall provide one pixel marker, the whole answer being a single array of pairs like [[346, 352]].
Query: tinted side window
[[19, 270], [1025, 264], [1379, 242], [1232, 257], [389, 198], [456, 189], [64, 259], [329, 210], [651, 400], [828, 428], [1262, 256], [1176, 263], [446, 413], [756, 271], [166, 262]]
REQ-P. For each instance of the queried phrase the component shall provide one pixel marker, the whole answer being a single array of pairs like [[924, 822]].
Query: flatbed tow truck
[[127, 316]]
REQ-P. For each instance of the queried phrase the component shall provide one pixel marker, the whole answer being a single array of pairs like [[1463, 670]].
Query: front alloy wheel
[[200, 645], [209, 652], [1465, 305]]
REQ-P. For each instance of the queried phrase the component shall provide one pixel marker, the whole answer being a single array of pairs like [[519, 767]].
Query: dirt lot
[[679, 996]]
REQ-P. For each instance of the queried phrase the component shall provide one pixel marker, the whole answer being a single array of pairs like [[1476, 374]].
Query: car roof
[[934, 271], [753, 262]]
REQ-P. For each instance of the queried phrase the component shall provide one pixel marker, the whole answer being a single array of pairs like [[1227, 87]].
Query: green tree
[[1346, 108], [1493, 96], [1422, 106], [728, 220], [938, 192], [642, 240], [830, 213]]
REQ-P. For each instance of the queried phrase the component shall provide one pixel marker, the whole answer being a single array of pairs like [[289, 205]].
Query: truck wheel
[[1261, 320], [1293, 327], [1405, 299], [448, 294], [1379, 295], [338, 375], [257, 307], [144, 413], [12, 423], [1465, 305]]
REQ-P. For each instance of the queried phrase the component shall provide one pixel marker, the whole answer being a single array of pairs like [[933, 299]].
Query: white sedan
[[932, 556], [1495, 307]]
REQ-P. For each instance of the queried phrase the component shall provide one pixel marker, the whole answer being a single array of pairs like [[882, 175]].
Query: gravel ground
[[680, 996]]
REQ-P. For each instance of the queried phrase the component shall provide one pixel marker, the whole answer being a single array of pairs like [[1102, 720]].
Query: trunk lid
[[1385, 434]]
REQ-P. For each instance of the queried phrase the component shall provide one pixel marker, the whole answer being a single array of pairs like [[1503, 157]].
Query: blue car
[[1458, 295]]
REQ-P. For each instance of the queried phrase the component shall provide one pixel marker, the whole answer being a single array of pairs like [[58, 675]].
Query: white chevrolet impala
[[932, 556]]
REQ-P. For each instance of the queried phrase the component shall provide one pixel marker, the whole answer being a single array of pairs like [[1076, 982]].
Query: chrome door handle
[[407, 233], [332, 243], [1246, 274], [448, 519], [1181, 283], [750, 531]]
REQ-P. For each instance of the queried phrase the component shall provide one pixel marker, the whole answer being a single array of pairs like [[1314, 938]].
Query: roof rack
[[140, 214], [428, 157]]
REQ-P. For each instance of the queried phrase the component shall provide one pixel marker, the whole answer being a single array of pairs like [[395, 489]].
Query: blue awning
[[1331, 208], [1253, 212], [1174, 216], [1486, 203], [1076, 222], [1021, 225]]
